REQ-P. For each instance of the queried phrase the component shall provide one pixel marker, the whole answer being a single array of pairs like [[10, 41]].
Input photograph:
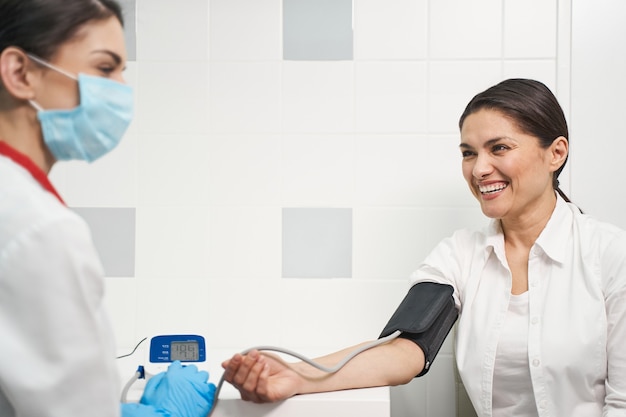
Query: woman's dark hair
[[529, 104], [39, 27]]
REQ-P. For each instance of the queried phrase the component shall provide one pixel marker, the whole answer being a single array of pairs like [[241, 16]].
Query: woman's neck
[[523, 230], [23, 134]]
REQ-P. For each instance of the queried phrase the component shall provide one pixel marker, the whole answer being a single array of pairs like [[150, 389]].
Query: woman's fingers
[[244, 373]]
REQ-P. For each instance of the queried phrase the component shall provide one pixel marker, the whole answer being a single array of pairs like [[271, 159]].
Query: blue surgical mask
[[92, 129]]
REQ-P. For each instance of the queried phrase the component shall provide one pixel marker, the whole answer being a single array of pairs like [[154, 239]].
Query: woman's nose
[[482, 166]]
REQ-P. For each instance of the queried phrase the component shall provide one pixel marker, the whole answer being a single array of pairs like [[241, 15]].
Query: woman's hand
[[261, 378]]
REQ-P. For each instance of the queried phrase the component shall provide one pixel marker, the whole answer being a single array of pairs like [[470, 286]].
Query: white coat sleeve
[[57, 349], [614, 275]]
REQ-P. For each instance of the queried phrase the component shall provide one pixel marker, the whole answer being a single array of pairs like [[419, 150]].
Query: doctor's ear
[[16, 74]]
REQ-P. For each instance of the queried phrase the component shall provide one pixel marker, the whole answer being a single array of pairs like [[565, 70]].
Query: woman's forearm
[[393, 363]]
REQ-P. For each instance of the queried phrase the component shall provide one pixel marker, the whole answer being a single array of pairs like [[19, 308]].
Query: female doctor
[[62, 96], [541, 291]]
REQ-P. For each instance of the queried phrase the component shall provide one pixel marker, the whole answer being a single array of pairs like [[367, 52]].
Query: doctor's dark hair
[[529, 104], [39, 27]]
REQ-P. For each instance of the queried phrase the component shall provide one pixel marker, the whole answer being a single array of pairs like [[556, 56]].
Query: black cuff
[[425, 316]]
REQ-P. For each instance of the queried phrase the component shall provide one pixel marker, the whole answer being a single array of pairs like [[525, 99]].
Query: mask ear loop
[[52, 67]]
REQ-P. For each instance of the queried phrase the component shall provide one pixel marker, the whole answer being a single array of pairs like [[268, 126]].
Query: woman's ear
[[16, 74], [559, 150]]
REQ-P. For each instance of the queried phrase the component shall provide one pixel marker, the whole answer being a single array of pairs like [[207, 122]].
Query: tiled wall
[[282, 195]]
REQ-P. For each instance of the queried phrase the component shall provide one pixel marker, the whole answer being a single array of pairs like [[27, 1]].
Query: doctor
[[62, 96]]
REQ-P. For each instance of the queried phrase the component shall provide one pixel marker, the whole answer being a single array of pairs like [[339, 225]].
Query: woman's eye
[[499, 148], [466, 154], [106, 70]]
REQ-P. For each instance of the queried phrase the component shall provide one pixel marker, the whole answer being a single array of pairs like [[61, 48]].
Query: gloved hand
[[138, 410], [181, 391]]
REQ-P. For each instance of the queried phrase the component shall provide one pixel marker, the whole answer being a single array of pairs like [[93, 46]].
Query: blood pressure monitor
[[186, 348]]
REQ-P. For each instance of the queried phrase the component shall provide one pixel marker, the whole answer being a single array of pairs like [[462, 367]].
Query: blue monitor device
[[165, 349]]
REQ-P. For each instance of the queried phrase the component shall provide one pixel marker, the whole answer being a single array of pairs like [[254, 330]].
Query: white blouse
[[511, 374], [576, 306]]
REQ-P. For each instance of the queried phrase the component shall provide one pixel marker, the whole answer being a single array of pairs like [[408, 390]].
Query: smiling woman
[[540, 290], [62, 96], [531, 107]]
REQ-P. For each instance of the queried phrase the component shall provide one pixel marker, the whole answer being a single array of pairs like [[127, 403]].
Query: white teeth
[[487, 189]]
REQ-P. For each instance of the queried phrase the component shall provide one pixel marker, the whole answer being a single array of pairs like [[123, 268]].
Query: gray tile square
[[317, 30], [317, 242], [113, 232], [130, 28]]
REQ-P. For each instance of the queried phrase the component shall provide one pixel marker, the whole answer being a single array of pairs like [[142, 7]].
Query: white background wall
[[226, 133]]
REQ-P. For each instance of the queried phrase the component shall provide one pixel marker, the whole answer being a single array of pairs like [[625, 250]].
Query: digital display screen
[[184, 351]]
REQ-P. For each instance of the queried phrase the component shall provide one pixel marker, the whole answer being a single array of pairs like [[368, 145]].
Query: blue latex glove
[[181, 391], [138, 410]]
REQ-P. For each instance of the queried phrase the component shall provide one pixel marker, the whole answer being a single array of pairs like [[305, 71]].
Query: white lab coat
[[57, 350], [577, 312]]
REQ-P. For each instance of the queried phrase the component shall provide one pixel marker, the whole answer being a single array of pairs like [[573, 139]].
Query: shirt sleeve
[[614, 275], [57, 349], [444, 264]]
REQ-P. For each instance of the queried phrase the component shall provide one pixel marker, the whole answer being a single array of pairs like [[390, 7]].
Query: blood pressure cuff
[[425, 316]]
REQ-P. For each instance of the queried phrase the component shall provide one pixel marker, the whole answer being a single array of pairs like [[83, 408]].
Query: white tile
[[394, 170], [396, 236], [244, 313], [452, 85], [172, 242], [390, 169], [564, 54], [391, 97], [530, 28], [598, 108], [245, 242], [120, 302], [245, 30], [172, 31], [110, 181], [245, 97], [173, 97], [447, 186], [318, 97], [130, 76], [441, 387], [540, 70], [245, 170], [318, 170], [411, 399], [329, 315], [173, 305], [173, 169], [401, 237], [463, 29], [393, 29]]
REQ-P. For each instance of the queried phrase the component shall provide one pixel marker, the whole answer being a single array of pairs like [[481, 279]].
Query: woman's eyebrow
[[488, 143], [116, 57]]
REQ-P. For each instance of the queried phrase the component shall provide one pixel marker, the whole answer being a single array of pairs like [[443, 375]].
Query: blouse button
[[536, 362], [534, 320]]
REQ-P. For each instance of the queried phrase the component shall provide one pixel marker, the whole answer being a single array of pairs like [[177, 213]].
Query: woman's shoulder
[[593, 229], [600, 242]]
